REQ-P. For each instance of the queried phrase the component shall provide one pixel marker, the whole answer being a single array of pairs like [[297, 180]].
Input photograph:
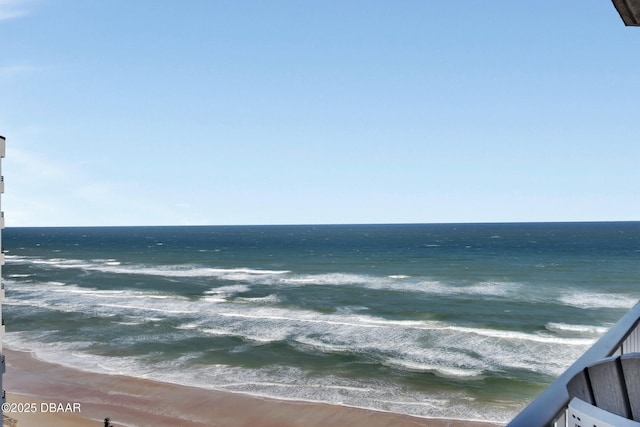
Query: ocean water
[[467, 321]]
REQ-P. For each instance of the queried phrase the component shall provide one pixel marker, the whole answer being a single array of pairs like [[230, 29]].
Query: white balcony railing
[[550, 408]]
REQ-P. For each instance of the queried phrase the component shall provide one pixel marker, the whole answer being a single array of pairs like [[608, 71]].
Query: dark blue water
[[456, 320]]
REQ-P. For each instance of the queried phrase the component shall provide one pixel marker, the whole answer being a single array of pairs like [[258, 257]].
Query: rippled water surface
[[457, 320]]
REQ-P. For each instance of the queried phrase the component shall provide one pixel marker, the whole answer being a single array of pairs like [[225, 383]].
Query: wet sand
[[129, 401]]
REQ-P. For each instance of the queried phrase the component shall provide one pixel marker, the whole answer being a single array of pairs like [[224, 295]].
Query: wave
[[189, 325], [66, 295], [252, 276], [333, 279], [128, 307], [285, 383], [324, 347], [580, 329], [403, 283], [117, 267], [285, 279], [439, 370], [227, 291], [260, 321], [522, 336], [272, 298], [257, 310], [589, 300]]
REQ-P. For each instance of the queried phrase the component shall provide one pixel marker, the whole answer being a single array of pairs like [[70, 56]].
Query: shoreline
[[130, 401]]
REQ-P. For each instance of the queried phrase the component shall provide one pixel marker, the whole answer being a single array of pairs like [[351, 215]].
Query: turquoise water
[[467, 321]]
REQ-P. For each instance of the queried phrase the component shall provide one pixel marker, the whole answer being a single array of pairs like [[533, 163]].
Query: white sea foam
[[255, 320], [213, 331], [117, 267], [585, 299], [214, 299], [90, 292], [189, 325], [321, 346], [521, 336], [402, 283], [446, 349], [440, 370], [328, 279], [52, 283], [581, 329], [272, 298], [250, 276], [422, 346], [228, 290], [282, 383], [130, 307]]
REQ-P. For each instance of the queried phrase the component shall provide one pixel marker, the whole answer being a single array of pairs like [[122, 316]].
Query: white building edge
[[2, 361]]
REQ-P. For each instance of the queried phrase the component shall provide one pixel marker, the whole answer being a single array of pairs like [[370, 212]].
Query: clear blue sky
[[172, 112]]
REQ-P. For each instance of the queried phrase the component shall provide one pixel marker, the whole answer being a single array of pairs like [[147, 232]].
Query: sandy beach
[[81, 398]]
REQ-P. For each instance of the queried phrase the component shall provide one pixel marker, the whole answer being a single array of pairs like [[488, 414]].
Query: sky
[[231, 112]]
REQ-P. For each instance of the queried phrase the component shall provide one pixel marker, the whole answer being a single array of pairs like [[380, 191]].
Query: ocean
[[467, 321]]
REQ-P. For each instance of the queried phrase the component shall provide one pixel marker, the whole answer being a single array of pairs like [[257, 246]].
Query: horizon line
[[332, 224]]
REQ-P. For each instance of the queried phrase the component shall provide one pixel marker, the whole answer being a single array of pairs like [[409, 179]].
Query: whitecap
[[439, 370], [581, 329], [582, 299], [272, 298]]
